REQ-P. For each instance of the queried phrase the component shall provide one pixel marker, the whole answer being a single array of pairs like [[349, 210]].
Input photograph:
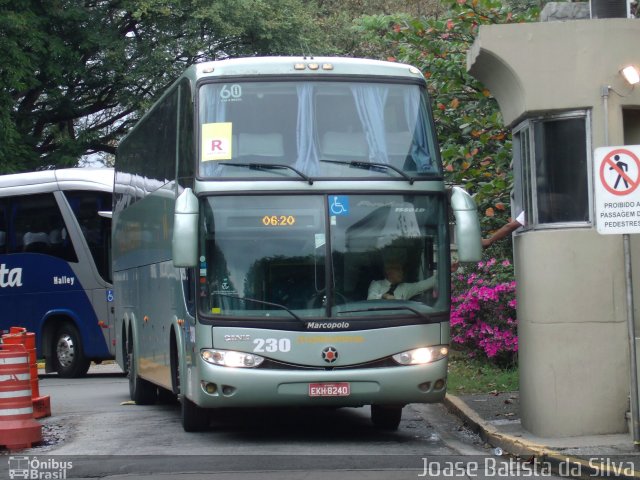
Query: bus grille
[[270, 364]]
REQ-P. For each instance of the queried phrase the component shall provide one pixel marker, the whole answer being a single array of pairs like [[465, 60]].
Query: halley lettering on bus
[[63, 280]]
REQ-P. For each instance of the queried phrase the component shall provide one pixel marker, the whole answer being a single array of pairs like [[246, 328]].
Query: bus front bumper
[[217, 387]]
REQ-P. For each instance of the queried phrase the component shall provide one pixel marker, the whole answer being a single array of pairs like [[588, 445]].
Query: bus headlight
[[420, 356], [230, 358]]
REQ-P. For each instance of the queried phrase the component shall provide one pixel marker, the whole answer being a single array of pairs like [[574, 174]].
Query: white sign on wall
[[617, 196]]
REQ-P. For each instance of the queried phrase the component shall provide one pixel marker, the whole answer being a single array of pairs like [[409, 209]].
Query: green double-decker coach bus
[[281, 238]]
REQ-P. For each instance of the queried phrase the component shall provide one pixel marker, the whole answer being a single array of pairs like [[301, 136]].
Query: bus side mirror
[[467, 231], [184, 242]]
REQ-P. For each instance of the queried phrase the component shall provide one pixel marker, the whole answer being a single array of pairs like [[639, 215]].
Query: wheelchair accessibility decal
[[338, 205]]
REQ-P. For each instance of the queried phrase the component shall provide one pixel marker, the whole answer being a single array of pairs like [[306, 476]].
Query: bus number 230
[[272, 345]]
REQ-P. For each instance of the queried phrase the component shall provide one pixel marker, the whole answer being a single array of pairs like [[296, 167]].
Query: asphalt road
[[96, 430]]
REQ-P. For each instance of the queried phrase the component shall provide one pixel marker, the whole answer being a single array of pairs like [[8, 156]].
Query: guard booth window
[[551, 170]]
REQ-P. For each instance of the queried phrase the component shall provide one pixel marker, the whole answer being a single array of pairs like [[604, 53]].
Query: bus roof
[[63, 179], [301, 66]]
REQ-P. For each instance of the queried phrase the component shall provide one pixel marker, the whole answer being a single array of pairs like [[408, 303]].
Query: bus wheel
[[69, 359], [141, 391], [386, 417], [194, 418]]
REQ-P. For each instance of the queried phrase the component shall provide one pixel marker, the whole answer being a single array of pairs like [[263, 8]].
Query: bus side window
[[37, 226], [95, 229], [3, 226], [189, 289]]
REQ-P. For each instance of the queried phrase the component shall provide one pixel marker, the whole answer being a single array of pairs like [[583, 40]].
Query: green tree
[[476, 147], [337, 17], [76, 74]]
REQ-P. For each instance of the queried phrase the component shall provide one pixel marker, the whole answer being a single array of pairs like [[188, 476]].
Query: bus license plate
[[341, 389]]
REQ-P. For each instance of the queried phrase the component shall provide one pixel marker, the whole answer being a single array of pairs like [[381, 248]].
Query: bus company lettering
[[63, 280], [10, 277], [236, 338], [327, 325]]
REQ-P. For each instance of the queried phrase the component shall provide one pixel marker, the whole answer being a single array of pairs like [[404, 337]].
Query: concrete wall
[[574, 357], [574, 373], [535, 67]]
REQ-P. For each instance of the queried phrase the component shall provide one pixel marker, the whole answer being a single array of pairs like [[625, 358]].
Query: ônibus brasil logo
[[35, 468]]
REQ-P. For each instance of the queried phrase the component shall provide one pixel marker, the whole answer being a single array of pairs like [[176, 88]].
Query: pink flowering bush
[[483, 311]]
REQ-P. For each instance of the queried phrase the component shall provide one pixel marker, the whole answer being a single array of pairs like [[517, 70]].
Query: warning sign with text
[[617, 196]]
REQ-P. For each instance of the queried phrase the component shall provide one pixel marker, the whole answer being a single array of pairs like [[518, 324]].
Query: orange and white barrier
[[20, 336], [18, 429]]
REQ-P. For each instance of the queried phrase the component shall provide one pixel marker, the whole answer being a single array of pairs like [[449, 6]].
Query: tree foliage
[[475, 145], [337, 17], [77, 74]]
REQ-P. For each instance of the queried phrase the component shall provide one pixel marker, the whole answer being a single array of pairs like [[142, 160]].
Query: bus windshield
[[320, 129], [323, 256]]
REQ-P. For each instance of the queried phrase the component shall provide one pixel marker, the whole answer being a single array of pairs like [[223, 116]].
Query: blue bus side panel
[[33, 287]]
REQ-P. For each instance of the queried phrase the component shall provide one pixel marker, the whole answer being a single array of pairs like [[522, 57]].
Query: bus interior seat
[[35, 242], [58, 242], [269, 145], [344, 145], [57, 236]]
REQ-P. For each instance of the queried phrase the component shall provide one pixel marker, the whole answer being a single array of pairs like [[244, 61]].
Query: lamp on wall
[[631, 74]]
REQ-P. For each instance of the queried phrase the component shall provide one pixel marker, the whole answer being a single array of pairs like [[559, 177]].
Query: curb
[[561, 464]]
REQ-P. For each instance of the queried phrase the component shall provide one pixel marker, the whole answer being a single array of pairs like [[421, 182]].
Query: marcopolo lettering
[[326, 325], [10, 277]]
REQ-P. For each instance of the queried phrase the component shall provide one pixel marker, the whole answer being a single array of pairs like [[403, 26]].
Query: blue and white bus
[[55, 264], [258, 207]]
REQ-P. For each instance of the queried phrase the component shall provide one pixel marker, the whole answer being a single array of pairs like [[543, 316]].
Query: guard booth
[[559, 87]]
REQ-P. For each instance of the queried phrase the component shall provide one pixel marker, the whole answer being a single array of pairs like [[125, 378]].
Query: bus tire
[[125, 352], [386, 417], [68, 354], [141, 391], [194, 418]]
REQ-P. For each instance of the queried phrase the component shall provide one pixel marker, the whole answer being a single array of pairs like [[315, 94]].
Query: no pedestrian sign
[[617, 196]]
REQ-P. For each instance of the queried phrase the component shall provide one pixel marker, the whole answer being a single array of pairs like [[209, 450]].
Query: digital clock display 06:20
[[278, 220]]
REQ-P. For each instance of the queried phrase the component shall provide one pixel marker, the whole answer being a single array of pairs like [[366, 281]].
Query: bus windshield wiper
[[262, 302], [384, 309], [370, 165], [270, 166]]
